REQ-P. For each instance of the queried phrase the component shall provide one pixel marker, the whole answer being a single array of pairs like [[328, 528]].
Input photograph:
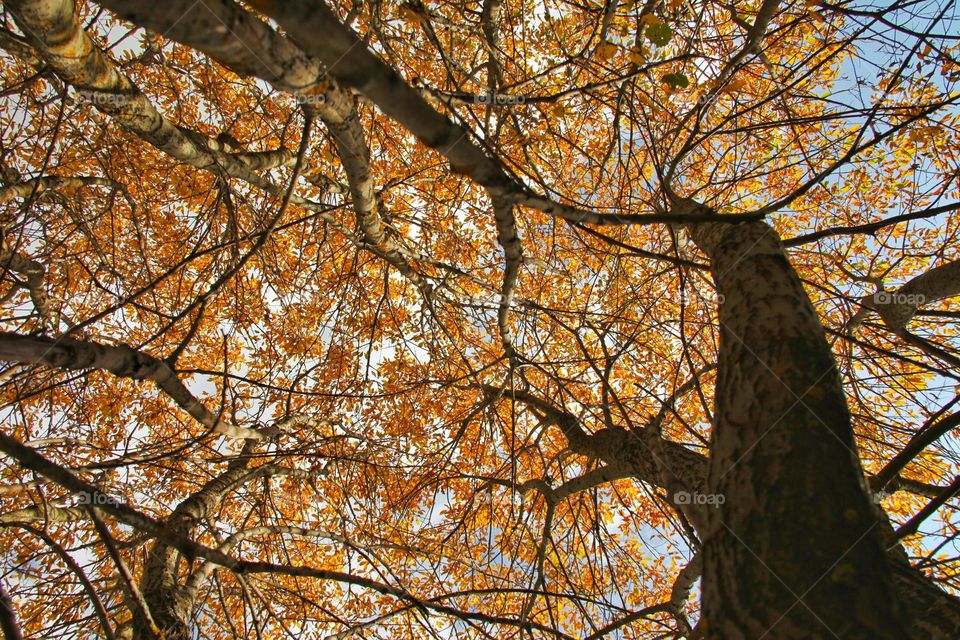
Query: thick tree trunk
[[645, 455], [795, 550]]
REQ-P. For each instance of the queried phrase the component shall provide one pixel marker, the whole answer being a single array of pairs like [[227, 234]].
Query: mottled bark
[[355, 66], [32, 460], [169, 600], [513, 256], [796, 549], [782, 428], [173, 600], [47, 513], [682, 586], [170, 604], [54, 22], [39, 186], [489, 19]]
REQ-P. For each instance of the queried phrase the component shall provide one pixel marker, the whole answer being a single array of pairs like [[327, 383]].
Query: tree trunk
[[795, 549], [171, 603]]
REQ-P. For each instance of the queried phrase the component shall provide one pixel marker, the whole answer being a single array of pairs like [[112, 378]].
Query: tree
[[496, 319]]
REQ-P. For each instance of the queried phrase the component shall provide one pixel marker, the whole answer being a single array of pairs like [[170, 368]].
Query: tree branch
[[122, 361]]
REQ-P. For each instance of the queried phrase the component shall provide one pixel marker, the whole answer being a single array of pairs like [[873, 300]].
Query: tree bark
[[170, 604], [898, 307], [646, 455], [795, 550]]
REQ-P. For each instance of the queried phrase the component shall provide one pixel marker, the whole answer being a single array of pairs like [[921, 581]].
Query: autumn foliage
[[407, 335]]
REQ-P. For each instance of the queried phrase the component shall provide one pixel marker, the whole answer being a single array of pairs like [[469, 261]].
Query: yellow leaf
[[735, 85], [606, 50]]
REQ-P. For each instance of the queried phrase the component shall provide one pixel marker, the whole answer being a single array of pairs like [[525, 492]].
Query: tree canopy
[[509, 319]]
